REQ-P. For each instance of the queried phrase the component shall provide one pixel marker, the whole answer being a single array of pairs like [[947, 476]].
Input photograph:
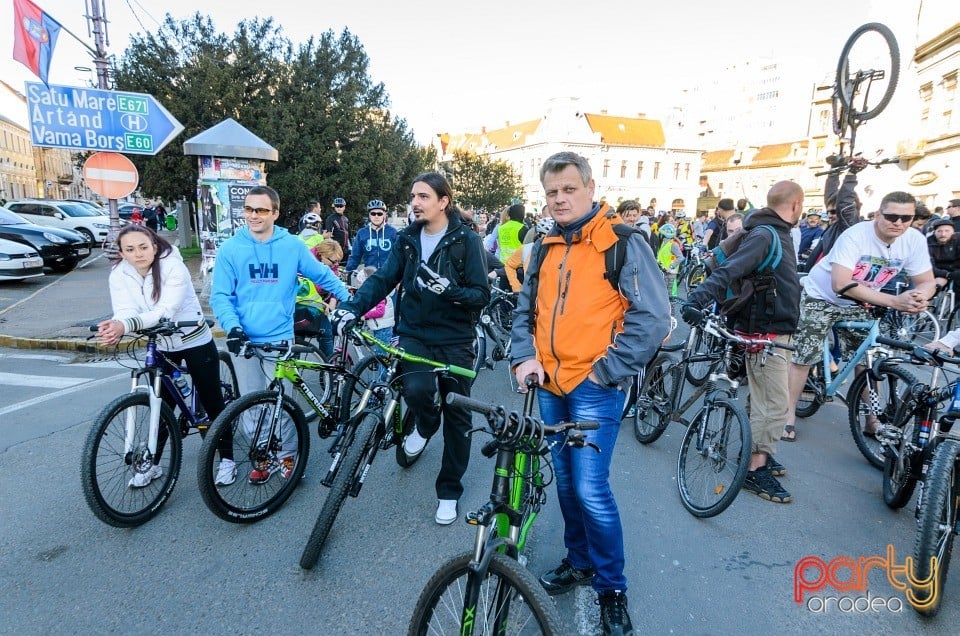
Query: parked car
[[65, 214], [19, 261], [59, 248]]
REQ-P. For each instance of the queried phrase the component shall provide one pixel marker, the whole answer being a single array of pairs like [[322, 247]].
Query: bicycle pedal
[[472, 518]]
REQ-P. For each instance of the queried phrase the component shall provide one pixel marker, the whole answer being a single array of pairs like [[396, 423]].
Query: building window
[[639, 169], [686, 172], [623, 169], [676, 171], [606, 168], [656, 169]]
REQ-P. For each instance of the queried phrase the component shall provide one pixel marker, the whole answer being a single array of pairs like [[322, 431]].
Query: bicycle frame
[[710, 386], [863, 353]]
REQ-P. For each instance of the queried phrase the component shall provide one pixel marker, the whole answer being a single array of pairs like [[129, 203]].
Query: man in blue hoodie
[[373, 242], [254, 293]]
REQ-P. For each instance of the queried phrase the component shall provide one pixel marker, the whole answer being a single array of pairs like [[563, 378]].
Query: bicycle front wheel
[[696, 275], [510, 601], [370, 369], [872, 406], [652, 411], [937, 526], [228, 377], [479, 348], [116, 451], [869, 67], [346, 474], [269, 459], [704, 344], [714, 458]]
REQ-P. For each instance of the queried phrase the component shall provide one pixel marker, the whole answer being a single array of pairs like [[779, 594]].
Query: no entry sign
[[111, 175]]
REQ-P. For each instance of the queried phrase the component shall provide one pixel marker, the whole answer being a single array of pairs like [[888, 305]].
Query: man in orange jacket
[[584, 340]]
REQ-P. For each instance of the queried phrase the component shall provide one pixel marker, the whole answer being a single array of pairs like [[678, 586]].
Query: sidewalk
[[60, 314]]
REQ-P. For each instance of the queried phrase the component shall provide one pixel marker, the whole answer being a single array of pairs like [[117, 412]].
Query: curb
[[71, 344]]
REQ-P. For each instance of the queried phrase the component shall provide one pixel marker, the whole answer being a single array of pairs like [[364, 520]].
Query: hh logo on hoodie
[[264, 272]]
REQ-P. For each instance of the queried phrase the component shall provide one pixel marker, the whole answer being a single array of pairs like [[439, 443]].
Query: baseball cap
[[816, 213], [941, 222], [339, 201]]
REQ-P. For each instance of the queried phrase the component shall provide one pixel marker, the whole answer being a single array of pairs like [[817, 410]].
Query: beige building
[[631, 156]]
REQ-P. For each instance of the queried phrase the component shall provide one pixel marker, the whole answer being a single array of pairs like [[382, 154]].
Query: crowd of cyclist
[[425, 284]]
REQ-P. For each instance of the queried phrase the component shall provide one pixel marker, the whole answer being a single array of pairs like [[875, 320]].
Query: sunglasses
[[339, 206], [257, 211], [376, 214], [893, 218]]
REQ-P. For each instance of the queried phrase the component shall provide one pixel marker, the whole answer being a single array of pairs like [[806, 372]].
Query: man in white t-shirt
[[864, 258]]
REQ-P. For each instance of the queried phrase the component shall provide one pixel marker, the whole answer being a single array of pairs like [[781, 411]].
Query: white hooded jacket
[[132, 298]]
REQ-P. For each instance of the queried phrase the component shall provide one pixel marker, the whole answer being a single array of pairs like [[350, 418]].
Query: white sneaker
[[446, 511], [226, 474], [414, 444], [141, 480]]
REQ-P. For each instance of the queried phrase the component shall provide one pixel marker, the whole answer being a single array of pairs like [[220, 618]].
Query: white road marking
[[49, 357], [59, 394], [42, 381]]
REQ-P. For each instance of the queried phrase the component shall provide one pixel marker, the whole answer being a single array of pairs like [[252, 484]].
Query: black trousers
[[420, 393], [204, 367]]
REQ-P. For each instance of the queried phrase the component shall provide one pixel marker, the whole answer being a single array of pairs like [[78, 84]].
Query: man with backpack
[[761, 273], [584, 336]]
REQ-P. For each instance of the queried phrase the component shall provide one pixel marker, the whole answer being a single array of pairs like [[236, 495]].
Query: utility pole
[[97, 27]]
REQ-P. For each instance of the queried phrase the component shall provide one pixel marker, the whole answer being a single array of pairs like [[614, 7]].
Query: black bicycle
[[131, 458]]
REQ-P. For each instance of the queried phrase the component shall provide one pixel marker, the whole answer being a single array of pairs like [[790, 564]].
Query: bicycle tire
[[409, 421], [843, 87], [728, 454], [479, 348], [924, 328], [653, 401], [896, 383], [696, 275], [439, 608], [697, 373], [242, 501], [501, 313], [106, 467], [937, 524], [811, 398], [952, 322], [363, 437], [362, 374], [229, 387]]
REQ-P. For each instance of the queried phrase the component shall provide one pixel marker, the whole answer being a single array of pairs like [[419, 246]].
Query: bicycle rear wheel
[[243, 431], [937, 526], [510, 601], [111, 459], [873, 404], [811, 398], [652, 413], [363, 437], [479, 348], [869, 64], [714, 458], [228, 377], [696, 275]]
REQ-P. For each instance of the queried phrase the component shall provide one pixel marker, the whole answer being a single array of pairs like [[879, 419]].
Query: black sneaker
[[614, 618], [762, 483], [564, 578], [776, 468]]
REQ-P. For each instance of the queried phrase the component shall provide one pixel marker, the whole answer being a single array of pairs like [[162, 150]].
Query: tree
[[481, 182], [315, 103]]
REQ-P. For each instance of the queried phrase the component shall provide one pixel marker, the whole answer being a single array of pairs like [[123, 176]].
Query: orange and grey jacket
[[578, 322]]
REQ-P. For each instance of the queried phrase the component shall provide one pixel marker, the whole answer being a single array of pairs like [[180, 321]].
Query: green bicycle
[[376, 423], [489, 590]]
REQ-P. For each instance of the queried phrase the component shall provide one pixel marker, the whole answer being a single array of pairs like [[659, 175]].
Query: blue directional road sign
[[93, 119]]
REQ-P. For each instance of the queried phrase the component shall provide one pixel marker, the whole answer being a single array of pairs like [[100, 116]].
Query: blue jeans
[[592, 532]]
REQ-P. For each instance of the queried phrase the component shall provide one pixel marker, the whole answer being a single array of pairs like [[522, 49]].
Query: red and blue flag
[[34, 37]]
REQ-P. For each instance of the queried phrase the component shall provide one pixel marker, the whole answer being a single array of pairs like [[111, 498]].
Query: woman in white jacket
[[150, 282]]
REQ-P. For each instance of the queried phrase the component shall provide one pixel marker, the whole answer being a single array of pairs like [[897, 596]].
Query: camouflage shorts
[[816, 318]]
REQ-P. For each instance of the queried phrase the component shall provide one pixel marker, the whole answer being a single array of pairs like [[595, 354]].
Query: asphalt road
[[63, 571]]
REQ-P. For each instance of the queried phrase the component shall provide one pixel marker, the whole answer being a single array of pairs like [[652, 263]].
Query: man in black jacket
[[944, 246], [841, 201], [439, 263], [773, 317]]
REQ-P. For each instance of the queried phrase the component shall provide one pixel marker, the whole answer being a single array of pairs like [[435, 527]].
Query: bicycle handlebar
[[842, 167], [166, 327], [919, 354], [283, 347], [498, 412], [712, 326]]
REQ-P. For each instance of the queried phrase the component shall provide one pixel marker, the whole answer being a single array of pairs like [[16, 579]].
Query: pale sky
[[455, 66]]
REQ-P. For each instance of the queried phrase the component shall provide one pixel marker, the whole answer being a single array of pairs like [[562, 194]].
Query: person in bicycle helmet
[[373, 242], [669, 255], [312, 225]]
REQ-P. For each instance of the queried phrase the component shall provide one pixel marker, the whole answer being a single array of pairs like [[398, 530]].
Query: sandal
[[789, 433]]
